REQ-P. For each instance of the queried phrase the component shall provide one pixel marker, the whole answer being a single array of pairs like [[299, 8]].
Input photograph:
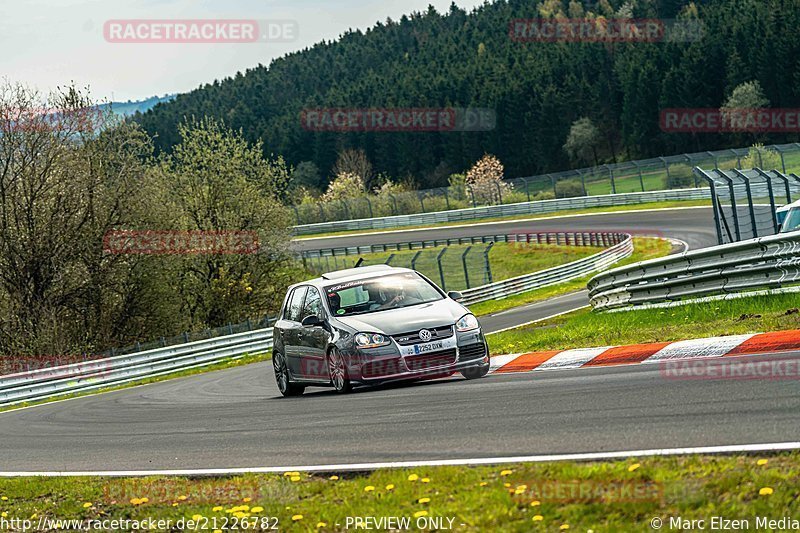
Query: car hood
[[396, 321]]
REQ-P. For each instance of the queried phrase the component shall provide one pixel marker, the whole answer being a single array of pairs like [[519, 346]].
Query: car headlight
[[371, 340], [467, 323]]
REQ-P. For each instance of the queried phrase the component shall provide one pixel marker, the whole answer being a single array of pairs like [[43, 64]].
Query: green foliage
[[582, 141], [569, 188], [538, 90], [763, 158]]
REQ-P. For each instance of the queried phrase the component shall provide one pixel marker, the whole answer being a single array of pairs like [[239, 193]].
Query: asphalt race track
[[235, 418]]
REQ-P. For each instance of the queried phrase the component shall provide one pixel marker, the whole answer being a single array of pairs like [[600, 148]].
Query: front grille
[[376, 369], [472, 351], [431, 360], [407, 339]]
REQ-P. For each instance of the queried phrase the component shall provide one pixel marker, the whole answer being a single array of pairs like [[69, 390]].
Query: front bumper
[[377, 365]]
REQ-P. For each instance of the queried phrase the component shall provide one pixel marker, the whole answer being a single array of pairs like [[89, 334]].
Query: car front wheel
[[286, 387], [337, 369]]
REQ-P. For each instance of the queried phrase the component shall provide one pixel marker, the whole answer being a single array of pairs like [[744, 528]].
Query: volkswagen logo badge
[[425, 335]]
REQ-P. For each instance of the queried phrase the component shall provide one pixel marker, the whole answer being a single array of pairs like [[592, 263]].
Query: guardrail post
[[464, 263], [487, 262], [297, 214], [414, 260], [786, 185], [499, 193], [666, 168], [527, 188], [783, 161], [553, 180], [613, 182], [446, 198], [735, 209], [583, 181], [714, 201], [748, 189], [639, 171], [389, 260], [771, 191], [369, 205], [421, 200], [394, 203], [441, 270]]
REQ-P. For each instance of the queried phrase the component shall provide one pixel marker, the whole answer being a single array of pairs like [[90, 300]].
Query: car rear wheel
[[475, 372], [337, 369], [286, 387]]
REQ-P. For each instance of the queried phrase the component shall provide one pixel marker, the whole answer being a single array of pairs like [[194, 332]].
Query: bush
[[485, 179], [769, 160], [568, 189], [680, 177]]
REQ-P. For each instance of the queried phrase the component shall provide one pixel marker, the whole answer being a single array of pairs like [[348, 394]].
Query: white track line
[[352, 467]]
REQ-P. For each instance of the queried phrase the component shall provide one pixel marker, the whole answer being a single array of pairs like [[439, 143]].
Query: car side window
[[295, 305], [313, 305]]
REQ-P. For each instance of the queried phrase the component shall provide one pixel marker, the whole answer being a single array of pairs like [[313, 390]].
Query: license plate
[[419, 349], [430, 347]]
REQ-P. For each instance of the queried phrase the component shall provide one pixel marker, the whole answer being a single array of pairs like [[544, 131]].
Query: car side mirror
[[312, 321], [455, 295]]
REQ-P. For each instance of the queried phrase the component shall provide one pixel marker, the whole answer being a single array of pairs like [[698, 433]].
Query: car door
[[291, 330], [313, 340]]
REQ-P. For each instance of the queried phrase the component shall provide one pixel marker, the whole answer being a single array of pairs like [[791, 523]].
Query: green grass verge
[[246, 360], [556, 214], [518, 497], [586, 329], [643, 248]]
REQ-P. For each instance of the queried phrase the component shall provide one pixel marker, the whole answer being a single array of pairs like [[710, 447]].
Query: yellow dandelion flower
[[241, 515], [413, 477], [425, 480], [175, 504], [321, 524], [87, 505], [538, 518], [297, 517], [257, 510], [197, 517], [506, 485], [564, 527], [4, 514], [183, 498], [517, 492], [217, 509], [506, 473], [762, 462], [369, 488], [483, 483], [536, 503], [295, 478], [247, 500], [390, 487], [217, 531], [136, 501], [766, 491], [424, 500], [420, 513], [632, 468], [145, 500], [291, 474], [4, 498], [332, 478]]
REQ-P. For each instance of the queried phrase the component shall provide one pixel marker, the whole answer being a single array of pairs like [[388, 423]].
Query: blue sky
[[47, 43]]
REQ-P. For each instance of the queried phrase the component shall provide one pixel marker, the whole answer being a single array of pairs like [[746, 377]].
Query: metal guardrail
[[622, 248], [525, 208], [91, 375], [101, 373], [766, 262]]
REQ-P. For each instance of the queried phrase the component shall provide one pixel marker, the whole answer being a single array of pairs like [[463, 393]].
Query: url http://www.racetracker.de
[[199, 523]]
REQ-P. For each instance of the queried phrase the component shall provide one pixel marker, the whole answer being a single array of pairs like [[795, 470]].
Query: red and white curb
[[733, 345]]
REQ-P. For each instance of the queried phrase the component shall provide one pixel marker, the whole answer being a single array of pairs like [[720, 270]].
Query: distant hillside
[[141, 106], [538, 90]]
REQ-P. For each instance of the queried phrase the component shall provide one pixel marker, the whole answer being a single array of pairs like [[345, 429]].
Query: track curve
[[234, 418]]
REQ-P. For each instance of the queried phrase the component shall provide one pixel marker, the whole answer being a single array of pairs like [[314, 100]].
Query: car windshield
[[792, 222], [380, 294]]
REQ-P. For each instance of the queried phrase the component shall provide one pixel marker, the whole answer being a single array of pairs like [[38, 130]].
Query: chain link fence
[[647, 175]]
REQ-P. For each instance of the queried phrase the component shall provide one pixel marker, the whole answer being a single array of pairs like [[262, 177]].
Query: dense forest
[[537, 89]]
